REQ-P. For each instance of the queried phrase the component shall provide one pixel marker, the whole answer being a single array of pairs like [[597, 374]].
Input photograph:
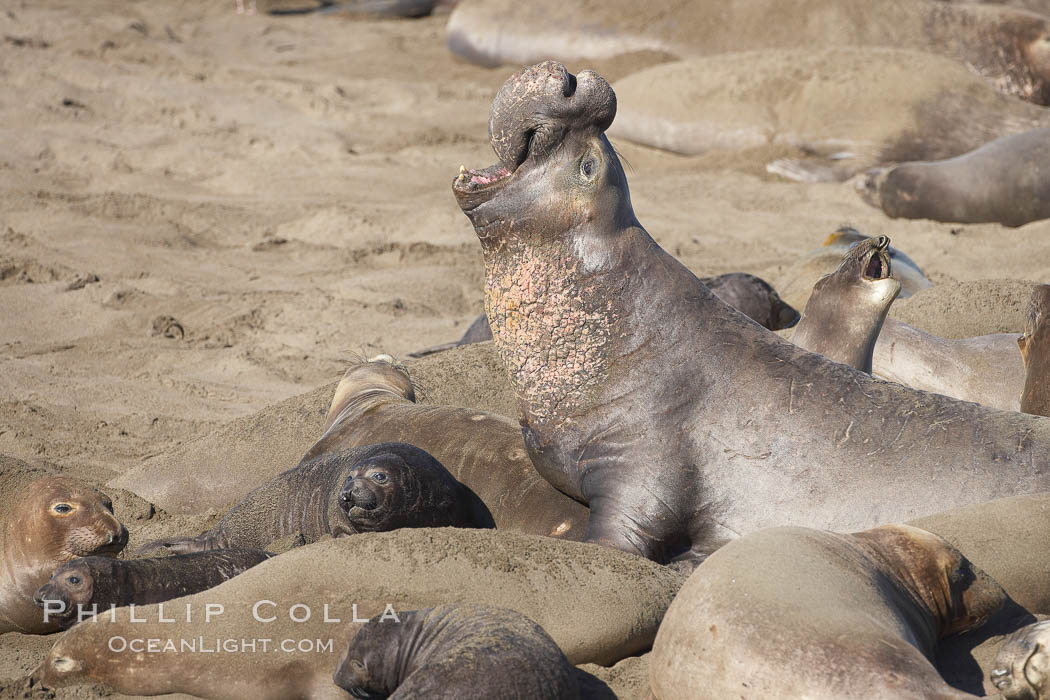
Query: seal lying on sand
[[844, 315], [826, 616], [1022, 667], [1035, 351], [88, 585], [52, 520], [364, 489], [456, 651], [1006, 181], [1005, 46], [914, 106], [375, 402], [677, 419]]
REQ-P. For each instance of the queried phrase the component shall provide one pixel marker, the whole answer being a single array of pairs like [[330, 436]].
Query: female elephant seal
[[52, 520], [87, 585], [456, 651], [375, 402], [800, 613], [677, 419], [1006, 181], [365, 489], [1035, 351], [846, 311]]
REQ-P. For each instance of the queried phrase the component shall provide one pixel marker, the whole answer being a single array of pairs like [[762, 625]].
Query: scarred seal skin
[[456, 651], [1035, 351], [52, 521], [375, 402], [845, 313], [681, 422], [827, 615], [1006, 181], [88, 585], [365, 489]]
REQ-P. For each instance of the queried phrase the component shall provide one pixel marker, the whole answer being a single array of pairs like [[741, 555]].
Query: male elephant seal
[[844, 315], [456, 651], [1006, 181], [375, 402], [88, 585], [799, 613], [677, 419], [52, 520], [365, 489], [1035, 351]]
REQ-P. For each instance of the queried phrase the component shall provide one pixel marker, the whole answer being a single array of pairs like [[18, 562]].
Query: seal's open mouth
[[878, 265], [475, 187]]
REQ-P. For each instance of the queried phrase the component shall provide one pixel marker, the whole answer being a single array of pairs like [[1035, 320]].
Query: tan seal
[[1035, 351]]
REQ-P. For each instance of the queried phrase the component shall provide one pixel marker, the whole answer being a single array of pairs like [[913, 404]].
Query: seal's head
[[372, 492], [1022, 666], [1037, 323], [865, 269], [377, 659], [556, 171], [72, 585], [60, 519]]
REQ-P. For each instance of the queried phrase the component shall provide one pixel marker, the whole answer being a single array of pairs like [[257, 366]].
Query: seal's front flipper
[[180, 545]]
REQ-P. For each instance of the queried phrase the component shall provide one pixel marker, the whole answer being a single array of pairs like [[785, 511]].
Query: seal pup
[[795, 612], [845, 313], [622, 362], [456, 651], [1035, 352], [1005, 46], [1006, 181], [364, 489], [88, 585], [1022, 666], [376, 402], [50, 521]]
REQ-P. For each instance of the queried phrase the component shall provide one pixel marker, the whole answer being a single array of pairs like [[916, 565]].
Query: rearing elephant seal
[[1035, 351], [365, 489], [846, 311], [677, 419], [53, 520], [456, 651]]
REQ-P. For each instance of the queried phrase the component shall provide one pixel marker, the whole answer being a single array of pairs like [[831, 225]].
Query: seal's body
[[1035, 351]]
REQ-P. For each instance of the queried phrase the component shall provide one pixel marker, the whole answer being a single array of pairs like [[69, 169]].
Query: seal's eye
[[588, 167], [62, 508], [379, 477], [75, 580]]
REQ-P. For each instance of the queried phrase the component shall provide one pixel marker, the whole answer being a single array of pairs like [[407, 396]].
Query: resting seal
[[1035, 351], [1006, 181], [52, 520], [94, 584], [845, 313], [799, 613], [375, 402], [622, 362], [1022, 667], [456, 651], [365, 489]]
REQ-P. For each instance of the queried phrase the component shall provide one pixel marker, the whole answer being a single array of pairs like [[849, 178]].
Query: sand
[[204, 214]]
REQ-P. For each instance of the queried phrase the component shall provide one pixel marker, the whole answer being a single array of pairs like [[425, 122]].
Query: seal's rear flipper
[[180, 545], [809, 171]]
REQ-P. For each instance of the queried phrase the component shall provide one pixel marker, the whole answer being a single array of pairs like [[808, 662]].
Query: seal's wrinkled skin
[[366, 489], [53, 520], [1035, 351], [456, 651], [95, 584], [1022, 667], [677, 419], [845, 313]]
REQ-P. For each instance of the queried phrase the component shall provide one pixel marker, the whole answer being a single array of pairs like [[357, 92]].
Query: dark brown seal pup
[[375, 402], [52, 520], [87, 585], [677, 419], [456, 651], [800, 613], [1035, 351], [365, 489], [1006, 181], [845, 313]]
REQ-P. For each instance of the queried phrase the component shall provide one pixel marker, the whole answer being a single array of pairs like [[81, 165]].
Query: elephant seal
[[375, 402], [825, 615], [1022, 667], [1035, 352], [1006, 181], [364, 489], [456, 651], [49, 521], [914, 106], [844, 315], [622, 361], [1007, 47], [87, 585]]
